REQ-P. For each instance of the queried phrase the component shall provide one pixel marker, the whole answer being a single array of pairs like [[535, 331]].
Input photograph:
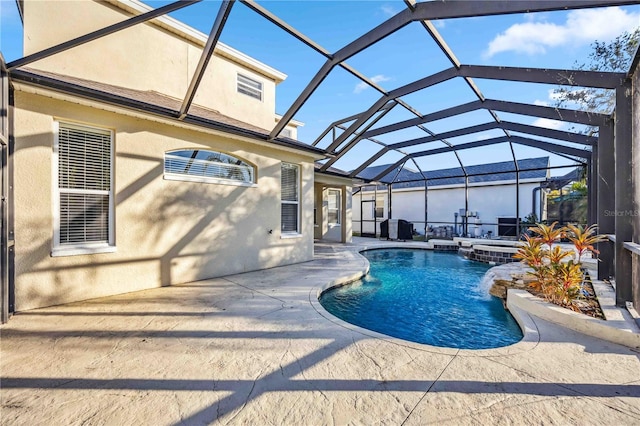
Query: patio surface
[[257, 349]]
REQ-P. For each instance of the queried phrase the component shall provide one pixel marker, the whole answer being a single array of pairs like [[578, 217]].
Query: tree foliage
[[613, 56]]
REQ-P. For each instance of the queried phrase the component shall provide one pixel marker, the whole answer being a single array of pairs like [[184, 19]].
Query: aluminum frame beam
[[378, 33], [597, 79], [357, 138], [534, 75], [624, 203], [207, 52], [560, 114], [5, 128], [466, 9], [337, 123], [423, 83], [471, 175], [551, 147], [546, 146], [606, 178], [147, 16], [504, 125], [450, 134], [533, 130], [440, 10], [545, 132], [444, 48], [310, 43], [634, 116], [370, 161], [427, 118], [460, 147]]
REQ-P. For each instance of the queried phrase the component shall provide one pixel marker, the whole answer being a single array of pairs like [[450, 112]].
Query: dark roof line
[[530, 168]]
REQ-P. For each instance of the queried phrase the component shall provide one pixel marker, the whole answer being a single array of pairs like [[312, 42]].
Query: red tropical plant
[[584, 239], [548, 234], [558, 280]]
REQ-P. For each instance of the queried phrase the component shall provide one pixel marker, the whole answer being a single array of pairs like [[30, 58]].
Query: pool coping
[[530, 339]]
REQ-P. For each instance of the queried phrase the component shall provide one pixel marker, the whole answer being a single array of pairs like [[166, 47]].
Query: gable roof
[[152, 102], [533, 168]]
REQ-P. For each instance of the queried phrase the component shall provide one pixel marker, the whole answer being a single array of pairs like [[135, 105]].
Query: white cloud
[[376, 79], [581, 27], [540, 103], [547, 123], [388, 10], [438, 23], [553, 95]]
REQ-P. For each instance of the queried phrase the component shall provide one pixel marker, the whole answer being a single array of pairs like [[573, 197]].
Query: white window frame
[[297, 232], [69, 249], [207, 179], [249, 90], [339, 206]]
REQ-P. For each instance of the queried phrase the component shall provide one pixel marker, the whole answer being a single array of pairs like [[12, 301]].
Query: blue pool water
[[425, 297]]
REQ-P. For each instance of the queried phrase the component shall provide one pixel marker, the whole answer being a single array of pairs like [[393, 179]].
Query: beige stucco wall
[[166, 232], [142, 57]]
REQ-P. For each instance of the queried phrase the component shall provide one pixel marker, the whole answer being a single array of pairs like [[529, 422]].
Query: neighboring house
[[491, 198], [114, 193]]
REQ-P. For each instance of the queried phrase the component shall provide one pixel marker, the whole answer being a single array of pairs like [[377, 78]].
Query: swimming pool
[[425, 297]]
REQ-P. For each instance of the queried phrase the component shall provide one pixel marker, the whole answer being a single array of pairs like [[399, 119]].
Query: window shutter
[[290, 202], [84, 184]]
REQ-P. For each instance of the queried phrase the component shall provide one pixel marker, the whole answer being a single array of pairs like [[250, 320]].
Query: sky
[[541, 40]]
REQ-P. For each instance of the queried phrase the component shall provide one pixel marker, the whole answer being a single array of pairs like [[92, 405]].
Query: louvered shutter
[[290, 198], [84, 184]]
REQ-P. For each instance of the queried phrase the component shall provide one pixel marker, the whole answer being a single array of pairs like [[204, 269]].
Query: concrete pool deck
[[256, 349]]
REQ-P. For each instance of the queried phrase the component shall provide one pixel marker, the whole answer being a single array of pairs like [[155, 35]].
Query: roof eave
[[183, 30], [124, 102]]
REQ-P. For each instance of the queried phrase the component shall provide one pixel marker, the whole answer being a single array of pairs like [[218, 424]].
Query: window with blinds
[[249, 87], [201, 165], [290, 195], [83, 191], [379, 208], [333, 208]]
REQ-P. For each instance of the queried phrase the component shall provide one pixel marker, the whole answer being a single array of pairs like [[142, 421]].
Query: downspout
[[533, 201]]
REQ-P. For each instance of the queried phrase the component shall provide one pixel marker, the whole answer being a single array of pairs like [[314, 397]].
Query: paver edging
[[522, 299]]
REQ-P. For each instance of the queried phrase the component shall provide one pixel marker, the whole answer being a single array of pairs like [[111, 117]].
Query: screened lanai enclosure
[[390, 135]]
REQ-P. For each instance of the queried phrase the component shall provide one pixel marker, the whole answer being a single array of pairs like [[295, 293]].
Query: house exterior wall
[[491, 201], [145, 57], [166, 232]]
